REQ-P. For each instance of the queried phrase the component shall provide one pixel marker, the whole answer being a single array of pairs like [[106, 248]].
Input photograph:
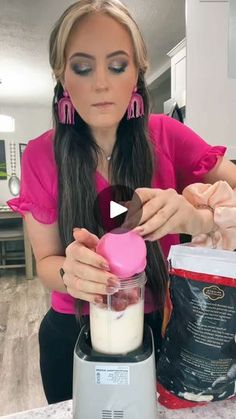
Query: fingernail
[[113, 282], [111, 290], [105, 266], [139, 230], [98, 300]]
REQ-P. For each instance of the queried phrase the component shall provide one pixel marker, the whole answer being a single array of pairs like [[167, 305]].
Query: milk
[[116, 332]]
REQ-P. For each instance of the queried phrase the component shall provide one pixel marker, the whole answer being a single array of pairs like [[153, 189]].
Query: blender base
[[114, 386]]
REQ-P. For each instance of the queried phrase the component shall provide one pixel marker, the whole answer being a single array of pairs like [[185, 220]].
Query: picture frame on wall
[[3, 164], [21, 149]]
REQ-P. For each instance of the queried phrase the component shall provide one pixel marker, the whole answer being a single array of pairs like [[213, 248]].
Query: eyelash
[[116, 70]]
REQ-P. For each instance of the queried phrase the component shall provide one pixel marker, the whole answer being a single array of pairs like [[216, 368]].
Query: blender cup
[[116, 325]]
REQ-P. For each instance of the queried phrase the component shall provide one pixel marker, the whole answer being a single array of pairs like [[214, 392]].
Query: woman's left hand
[[165, 212]]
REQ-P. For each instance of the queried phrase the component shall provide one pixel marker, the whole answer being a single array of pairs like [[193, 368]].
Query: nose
[[101, 79]]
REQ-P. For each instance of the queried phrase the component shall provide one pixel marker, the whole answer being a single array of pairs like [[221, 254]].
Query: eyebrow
[[84, 55]]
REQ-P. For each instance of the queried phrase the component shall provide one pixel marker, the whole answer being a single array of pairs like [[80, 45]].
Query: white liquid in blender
[[116, 332]]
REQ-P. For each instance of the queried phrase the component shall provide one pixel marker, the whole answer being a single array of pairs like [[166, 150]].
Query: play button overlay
[[116, 209], [115, 206]]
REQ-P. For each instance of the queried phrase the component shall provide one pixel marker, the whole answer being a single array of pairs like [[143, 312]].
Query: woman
[[104, 135]]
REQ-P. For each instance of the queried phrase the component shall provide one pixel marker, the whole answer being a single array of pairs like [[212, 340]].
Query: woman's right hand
[[87, 275]]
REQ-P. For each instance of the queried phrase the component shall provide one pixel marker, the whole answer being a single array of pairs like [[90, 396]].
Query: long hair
[[132, 162]]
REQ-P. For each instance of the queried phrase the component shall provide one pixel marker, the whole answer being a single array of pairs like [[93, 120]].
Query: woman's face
[[100, 69]]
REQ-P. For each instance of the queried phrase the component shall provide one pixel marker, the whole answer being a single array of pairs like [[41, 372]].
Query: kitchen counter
[[63, 410]]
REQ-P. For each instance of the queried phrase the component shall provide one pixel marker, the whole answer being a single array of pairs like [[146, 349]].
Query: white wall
[[30, 122], [211, 95]]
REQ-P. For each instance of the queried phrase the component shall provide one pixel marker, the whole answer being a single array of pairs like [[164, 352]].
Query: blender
[[114, 363]]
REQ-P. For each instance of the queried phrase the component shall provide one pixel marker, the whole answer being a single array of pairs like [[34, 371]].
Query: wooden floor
[[23, 304]]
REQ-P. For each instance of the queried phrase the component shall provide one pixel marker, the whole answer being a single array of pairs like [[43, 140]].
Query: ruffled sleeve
[[38, 191], [191, 156], [209, 160]]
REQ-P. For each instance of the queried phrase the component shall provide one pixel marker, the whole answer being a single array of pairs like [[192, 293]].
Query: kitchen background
[[191, 47], [196, 73]]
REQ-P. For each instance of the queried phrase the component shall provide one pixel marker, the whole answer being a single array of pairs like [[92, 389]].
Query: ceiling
[[25, 26]]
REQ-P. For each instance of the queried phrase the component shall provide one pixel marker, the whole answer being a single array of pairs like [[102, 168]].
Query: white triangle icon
[[116, 209]]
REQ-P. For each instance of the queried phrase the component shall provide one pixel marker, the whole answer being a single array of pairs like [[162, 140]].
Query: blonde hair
[[65, 24]]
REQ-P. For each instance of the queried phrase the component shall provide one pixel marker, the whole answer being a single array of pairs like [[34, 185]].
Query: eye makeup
[[117, 67], [83, 69]]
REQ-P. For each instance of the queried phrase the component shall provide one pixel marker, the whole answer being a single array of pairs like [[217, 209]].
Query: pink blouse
[[182, 158]]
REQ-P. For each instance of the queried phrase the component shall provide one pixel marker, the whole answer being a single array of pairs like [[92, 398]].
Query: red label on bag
[[198, 357], [201, 277]]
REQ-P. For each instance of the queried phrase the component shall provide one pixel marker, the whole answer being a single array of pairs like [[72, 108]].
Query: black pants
[[57, 337]]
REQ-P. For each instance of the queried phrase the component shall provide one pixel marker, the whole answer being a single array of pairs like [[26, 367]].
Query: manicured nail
[[113, 282], [105, 266], [139, 230], [112, 290], [98, 300]]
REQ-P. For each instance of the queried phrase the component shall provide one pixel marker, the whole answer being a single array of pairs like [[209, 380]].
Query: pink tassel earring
[[136, 106], [66, 111]]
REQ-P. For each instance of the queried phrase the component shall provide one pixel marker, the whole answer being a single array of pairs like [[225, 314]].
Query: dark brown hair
[[132, 162]]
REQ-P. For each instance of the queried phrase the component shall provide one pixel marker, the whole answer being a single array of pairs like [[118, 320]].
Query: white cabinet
[[211, 94], [178, 73]]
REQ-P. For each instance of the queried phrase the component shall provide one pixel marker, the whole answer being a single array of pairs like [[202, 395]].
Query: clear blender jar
[[116, 324]]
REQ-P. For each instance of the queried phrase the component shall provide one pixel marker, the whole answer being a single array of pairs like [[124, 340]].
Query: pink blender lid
[[125, 253]]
